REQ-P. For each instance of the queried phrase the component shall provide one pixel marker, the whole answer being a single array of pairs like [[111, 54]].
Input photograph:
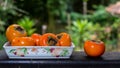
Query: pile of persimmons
[[17, 36]]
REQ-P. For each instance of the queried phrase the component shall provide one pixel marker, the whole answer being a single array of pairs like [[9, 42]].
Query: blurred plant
[[8, 10], [55, 8], [8, 13], [82, 30], [113, 1], [110, 37], [116, 23], [2, 28], [98, 15], [28, 25], [7, 7], [47, 11], [101, 15], [2, 40], [116, 28]]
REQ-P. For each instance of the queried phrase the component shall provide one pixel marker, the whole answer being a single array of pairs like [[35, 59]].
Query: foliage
[[100, 15], [2, 28], [28, 25], [81, 30], [116, 23], [6, 8], [8, 13], [47, 11], [41, 8], [113, 1], [2, 40]]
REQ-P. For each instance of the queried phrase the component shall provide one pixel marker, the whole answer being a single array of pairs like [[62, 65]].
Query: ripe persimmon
[[94, 48], [64, 39], [13, 31], [48, 39], [36, 37], [22, 41]]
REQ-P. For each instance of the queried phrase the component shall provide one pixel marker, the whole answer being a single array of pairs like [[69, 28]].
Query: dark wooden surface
[[77, 60]]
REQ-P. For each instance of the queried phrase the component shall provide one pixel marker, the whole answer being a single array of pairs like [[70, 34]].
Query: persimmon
[[94, 48], [22, 41], [48, 39], [36, 37], [64, 39], [15, 30]]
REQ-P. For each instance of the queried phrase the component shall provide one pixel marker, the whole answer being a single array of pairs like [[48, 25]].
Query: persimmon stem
[[59, 36], [97, 41], [51, 41], [19, 29]]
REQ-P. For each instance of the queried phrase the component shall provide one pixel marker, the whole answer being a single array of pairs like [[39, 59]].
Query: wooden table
[[77, 60]]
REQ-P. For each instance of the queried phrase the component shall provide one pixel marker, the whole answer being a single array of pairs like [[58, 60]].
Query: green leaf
[[31, 31], [27, 24]]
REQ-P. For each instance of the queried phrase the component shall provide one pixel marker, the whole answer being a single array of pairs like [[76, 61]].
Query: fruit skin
[[22, 41], [64, 39], [48, 39], [36, 37], [94, 48], [13, 31]]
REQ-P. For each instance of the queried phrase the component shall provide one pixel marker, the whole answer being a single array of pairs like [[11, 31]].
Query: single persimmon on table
[[94, 48]]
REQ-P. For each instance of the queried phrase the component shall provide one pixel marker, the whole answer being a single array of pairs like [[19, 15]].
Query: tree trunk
[[84, 8], [69, 22], [51, 23]]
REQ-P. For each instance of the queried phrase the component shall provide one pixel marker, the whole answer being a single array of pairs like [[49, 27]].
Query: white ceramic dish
[[38, 52]]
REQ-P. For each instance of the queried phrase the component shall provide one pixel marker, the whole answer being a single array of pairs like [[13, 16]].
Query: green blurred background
[[82, 19]]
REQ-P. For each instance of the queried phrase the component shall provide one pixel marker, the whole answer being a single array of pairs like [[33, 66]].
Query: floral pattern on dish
[[54, 52], [19, 51]]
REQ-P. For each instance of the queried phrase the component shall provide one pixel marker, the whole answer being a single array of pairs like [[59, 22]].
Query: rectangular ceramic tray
[[38, 52]]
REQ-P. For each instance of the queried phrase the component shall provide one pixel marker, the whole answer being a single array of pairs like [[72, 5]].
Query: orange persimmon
[[22, 41], [13, 31], [94, 48], [48, 39], [36, 37], [64, 39]]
